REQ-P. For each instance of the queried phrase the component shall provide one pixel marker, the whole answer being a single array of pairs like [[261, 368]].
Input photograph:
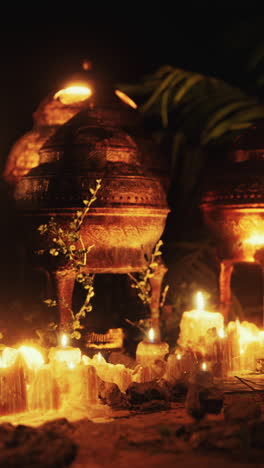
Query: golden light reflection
[[73, 94], [2, 363], [32, 356], [248, 333], [71, 365], [256, 239], [125, 98], [204, 366]]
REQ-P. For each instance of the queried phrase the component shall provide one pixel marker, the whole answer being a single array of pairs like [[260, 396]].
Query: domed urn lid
[[105, 139]]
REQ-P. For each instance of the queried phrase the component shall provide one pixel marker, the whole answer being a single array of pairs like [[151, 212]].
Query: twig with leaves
[[142, 283], [64, 243]]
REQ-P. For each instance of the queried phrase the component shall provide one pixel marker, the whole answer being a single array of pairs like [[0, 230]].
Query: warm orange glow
[[73, 94], [198, 327], [204, 366], [221, 333], [199, 301], [151, 335], [248, 333], [86, 360], [9, 356], [248, 340], [64, 340], [256, 239], [32, 356], [125, 98], [71, 365], [2, 363], [178, 356]]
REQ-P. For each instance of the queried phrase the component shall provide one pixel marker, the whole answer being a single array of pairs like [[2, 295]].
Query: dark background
[[38, 54]]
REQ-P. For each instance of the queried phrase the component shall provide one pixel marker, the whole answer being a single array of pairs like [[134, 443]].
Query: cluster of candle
[[27, 383], [204, 340]]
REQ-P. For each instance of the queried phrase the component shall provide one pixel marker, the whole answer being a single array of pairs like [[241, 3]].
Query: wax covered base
[[147, 353]]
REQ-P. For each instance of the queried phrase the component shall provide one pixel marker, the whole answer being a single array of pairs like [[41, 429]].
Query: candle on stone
[[32, 359], [143, 374], [13, 396], [65, 353], [250, 344], [195, 325], [100, 364], [174, 368], [61, 357], [44, 391], [83, 386], [232, 347], [148, 351]]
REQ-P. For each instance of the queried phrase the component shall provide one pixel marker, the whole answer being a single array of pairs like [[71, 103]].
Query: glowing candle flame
[[99, 357], [204, 366], [200, 301], [73, 94], [71, 365], [125, 98], [178, 356], [221, 333], [151, 335], [64, 340]]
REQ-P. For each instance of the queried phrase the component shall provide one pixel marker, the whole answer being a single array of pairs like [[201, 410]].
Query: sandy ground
[[122, 439]]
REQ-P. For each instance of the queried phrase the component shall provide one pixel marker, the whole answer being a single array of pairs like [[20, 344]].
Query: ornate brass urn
[[233, 206], [103, 140]]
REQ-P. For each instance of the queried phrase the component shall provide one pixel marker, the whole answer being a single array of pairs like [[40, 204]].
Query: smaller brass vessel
[[233, 205]]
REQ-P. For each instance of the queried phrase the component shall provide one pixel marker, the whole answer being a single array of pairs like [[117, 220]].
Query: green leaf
[[159, 90], [192, 81], [165, 98], [224, 112]]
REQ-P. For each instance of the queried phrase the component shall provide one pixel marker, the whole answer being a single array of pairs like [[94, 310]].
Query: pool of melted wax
[[96, 413]]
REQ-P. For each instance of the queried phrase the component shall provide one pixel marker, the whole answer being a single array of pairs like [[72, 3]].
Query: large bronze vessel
[[233, 206], [104, 140]]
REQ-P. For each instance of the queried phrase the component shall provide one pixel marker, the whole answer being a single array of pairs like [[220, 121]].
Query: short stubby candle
[[65, 353], [149, 351], [195, 324]]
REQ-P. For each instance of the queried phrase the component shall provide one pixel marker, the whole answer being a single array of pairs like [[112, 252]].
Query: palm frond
[[183, 98]]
